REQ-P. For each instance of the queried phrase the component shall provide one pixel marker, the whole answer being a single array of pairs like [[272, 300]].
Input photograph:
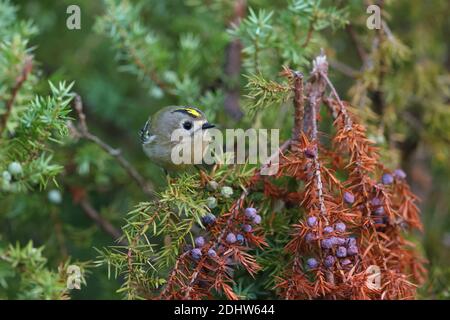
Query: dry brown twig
[[314, 99], [356, 42], [26, 70], [343, 68], [233, 64], [84, 132], [299, 108], [104, 224]]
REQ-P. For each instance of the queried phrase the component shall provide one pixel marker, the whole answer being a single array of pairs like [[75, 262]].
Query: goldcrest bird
[[156, 135]]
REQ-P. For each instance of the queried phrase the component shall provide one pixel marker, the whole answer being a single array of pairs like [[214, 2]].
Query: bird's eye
[[187, 125]]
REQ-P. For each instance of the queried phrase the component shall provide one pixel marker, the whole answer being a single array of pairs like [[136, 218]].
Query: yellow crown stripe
[[193, 112]]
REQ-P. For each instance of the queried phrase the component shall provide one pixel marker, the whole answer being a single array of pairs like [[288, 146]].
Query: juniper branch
[[359, 48], [343, 109], [150, 73], [309, 34], [134, 241], [315, 99], [343, 68], [299, 107]]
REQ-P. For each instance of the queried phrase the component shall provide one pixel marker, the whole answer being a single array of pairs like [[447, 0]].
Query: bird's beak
[[144, 133], [207, 125]]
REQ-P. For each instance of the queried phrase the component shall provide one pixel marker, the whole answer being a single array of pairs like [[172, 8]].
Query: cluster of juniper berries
[[336, 245], [252, 217]]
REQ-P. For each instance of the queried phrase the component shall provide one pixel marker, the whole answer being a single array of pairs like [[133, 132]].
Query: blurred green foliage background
[[187, 49]]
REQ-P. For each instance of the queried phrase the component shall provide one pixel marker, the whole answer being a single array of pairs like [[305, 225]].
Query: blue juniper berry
[[257, 219], [199, 242], [340, 227], [250, 213], [327, 243], [352, 250], [310, 237], [212, 253], [209, 219], [351, 241], [312, 221], [349, 197], [312, 263], [231, 238], [196, 253], [341, 252], [400, 174], [329, 261], [328, 229], [345, 262], [387, 178], [376, 202], [339, 241]]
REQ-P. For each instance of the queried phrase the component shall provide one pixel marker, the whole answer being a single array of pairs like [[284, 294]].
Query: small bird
[[157, 131]]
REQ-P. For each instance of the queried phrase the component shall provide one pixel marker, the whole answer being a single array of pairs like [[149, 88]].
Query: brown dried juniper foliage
[[356, 211]]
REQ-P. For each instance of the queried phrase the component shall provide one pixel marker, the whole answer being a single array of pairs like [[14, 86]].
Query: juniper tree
[[350, 118]]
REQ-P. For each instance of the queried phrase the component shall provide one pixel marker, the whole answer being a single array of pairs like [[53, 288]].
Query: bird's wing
[[145, 134]]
